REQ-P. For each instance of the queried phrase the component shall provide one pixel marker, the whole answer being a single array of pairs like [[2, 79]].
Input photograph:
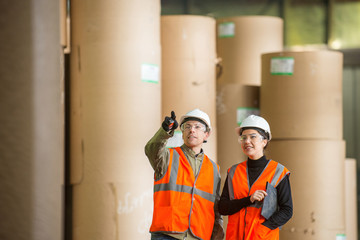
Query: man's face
[[194, 134]]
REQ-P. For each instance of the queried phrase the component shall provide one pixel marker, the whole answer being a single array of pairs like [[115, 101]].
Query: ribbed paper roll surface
[[240, 43], [351, 199], [115, 110], [317, 185], [234, 103], [188, 69], [301, 94], [31, 121]]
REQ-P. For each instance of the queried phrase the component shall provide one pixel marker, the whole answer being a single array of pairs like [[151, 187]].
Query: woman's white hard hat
[[197, 113], [254, 121]]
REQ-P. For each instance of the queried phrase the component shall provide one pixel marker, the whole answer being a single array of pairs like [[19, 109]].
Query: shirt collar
[[191, 153]]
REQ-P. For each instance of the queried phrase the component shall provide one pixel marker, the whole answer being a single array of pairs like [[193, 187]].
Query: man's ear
[[207, 135]]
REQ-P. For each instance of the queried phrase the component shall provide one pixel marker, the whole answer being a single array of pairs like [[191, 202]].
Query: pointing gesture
[[170, 123]]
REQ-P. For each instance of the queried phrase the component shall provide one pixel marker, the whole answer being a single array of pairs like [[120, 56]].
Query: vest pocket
[[232, 231], [263, 232]]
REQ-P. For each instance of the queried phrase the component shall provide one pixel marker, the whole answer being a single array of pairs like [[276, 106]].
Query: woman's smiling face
[[252, 143]]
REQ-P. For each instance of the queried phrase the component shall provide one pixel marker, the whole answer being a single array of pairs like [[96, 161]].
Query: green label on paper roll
[[340, 237], [226, 30], [282, 66], [243, 112], [150, 73]]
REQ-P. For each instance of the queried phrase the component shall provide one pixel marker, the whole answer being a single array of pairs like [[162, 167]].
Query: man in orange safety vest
[[187, 182]]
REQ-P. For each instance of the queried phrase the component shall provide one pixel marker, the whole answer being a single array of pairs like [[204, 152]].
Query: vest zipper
[[193, 195]]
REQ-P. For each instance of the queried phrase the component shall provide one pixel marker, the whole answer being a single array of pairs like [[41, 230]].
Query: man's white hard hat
[[255, 121], [196, 113]]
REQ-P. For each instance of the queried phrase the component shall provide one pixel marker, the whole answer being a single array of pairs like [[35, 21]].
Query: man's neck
[[196, 149]]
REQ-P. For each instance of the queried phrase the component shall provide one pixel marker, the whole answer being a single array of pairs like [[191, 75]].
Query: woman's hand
[[258, 195]]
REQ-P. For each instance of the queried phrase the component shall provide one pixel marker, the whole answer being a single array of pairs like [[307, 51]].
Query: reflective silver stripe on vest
[[172, 186], [216, 176], [230, 182], [278, 172]]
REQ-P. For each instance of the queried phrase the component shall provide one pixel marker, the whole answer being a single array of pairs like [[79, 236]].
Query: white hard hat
[[255, 121], [197, 113]]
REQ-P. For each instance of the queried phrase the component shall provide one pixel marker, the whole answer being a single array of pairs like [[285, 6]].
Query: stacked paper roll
[[115, 110], [351, 199], [317, 185], [234, 103], [301, 98], [301, 94], [241, 41], [188, 70], [32, 121]]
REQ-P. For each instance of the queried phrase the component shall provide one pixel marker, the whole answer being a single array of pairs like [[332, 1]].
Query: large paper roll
[[115, 110], [351, 199], [234, 103], [301, 94], [240, 43], [317, 185], [32, 121], [188, 69]]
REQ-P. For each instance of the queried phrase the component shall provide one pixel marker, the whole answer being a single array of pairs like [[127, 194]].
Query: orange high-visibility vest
[[183, 201], [246, 224]]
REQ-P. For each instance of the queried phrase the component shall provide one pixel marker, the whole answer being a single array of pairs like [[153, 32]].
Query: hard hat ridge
[[254, 121], [196, 114]]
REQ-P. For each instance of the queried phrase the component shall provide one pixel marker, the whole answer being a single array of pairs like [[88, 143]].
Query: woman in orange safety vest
[[257, 193]]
